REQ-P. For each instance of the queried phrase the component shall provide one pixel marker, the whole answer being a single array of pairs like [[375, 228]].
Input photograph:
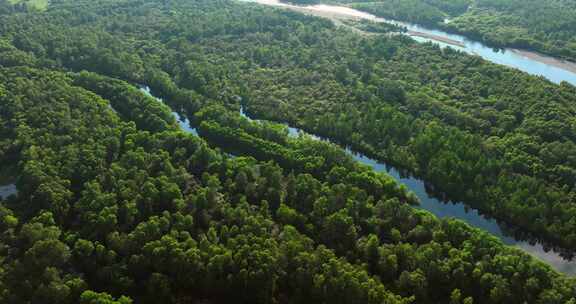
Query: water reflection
[[182, 120], [559, 259], [7, 190], [555, 70]]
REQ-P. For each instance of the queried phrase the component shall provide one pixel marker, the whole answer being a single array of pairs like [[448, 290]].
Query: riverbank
[[442, 205], [461, 211], [563, 64], [446, 40], [554, 69], [430, 200], [8, 175]]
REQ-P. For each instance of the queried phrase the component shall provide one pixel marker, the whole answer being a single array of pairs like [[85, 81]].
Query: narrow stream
[[430, 203], [454, 209], [555, 70], [471, 216], [182, 120], [533, 63]]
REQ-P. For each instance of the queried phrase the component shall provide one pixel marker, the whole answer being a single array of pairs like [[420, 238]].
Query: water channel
[[432, 204], [530, 62]]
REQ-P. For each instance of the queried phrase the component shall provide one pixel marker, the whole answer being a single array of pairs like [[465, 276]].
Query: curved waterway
[[554, 69], [429, 202], [457, 210], [181, 119]]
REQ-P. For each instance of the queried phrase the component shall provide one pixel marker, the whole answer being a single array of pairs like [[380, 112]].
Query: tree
[[91, 297]]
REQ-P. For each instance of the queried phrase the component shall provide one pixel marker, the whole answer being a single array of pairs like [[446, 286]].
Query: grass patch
[[35, 4]]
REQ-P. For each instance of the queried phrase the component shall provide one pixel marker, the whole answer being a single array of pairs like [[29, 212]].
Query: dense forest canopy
[[116, 204], [545, 26]]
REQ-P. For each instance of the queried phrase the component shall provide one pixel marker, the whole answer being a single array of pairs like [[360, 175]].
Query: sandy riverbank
[[562, 64], [558, 70], [437, 38]]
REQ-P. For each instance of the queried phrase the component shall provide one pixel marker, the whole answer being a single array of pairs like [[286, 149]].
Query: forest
[[547, 27], [117, 204]]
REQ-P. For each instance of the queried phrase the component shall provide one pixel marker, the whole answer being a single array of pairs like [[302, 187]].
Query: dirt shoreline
[[559, 63], [343, 13], [436, 38]]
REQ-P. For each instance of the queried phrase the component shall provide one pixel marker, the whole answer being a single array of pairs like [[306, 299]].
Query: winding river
[[533, 63], [530, 62], [430, 203], [553, 69], [457, 210]]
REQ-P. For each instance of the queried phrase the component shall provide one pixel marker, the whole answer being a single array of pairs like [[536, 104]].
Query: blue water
[[438, 208], [7, 190], [460, 211], [508, 57], [430, 203], [453, 209], [537, 64], [182, 121]]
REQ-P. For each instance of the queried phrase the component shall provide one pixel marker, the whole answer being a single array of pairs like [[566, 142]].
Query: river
[[456, 210], [430, 202], [182, 120], [533, 63], [471, 216]]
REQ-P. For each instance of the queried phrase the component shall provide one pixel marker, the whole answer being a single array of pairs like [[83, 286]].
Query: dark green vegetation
[[160, 216], [115, 202], [417, 11], [498, 139], [544, 26], [375, 27]]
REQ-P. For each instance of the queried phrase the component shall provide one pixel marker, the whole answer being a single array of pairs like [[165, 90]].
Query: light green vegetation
[[34, 4]]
